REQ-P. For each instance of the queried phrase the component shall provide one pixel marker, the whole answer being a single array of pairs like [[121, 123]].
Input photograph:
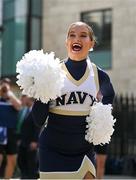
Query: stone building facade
[[58, 14]]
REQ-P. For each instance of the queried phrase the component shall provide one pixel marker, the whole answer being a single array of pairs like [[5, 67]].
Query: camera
[[3, 89]]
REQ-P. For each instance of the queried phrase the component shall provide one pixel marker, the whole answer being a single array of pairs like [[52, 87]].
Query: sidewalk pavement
[[119, 177]]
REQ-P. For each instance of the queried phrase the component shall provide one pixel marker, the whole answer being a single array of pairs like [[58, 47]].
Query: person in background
[[10, 144], [63, 150], [21, 116], [27, 154]]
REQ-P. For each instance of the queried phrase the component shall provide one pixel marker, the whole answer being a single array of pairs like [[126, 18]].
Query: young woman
[[63, 151]]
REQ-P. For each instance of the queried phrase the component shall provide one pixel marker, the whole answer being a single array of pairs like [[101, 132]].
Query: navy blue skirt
[[63, 151]]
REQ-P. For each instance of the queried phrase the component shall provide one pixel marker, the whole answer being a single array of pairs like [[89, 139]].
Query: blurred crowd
[[18, 135]]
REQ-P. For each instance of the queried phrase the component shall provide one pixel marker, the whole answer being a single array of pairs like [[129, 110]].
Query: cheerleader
[[63, 151]]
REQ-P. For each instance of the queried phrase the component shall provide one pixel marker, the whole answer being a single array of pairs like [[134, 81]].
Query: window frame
[[100, 50]]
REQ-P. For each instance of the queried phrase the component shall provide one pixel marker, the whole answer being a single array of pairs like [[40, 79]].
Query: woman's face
[[78, 42]]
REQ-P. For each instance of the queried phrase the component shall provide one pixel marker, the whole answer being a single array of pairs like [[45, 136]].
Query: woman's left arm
[[106, 87], [107, 91]]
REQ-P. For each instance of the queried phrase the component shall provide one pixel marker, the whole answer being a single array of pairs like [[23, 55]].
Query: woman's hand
[[33, 146]]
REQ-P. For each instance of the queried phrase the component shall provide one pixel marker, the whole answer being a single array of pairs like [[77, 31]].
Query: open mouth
[[76, 47]]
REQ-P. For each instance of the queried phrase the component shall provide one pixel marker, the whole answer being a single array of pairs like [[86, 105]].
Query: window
[[101, 22], [14, 35], [34, 21], [21, 31]]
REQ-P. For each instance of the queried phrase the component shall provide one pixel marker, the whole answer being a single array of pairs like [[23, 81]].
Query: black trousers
[[28, 163]]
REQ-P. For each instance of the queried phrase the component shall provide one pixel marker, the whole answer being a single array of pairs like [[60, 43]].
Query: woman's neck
[[76, 68], [75, 61]]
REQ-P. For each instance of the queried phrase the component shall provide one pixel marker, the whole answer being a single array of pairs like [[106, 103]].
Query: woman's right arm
[[40, 113]]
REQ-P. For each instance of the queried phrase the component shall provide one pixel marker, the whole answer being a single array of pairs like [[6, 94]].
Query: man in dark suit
[[27, 155]]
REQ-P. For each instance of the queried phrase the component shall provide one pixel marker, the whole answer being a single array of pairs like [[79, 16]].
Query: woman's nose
[[78, 38]]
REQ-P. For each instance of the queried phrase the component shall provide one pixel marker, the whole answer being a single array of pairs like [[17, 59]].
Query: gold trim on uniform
[[86, 166], [74, 81], [96, 79], [66, 112]]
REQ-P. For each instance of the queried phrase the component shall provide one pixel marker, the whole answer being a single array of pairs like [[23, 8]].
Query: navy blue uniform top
[[66, 134]]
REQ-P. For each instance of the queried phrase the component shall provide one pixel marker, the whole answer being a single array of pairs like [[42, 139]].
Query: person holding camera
[[9, 144]]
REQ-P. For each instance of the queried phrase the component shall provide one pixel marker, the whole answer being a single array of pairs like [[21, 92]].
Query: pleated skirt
[[57, 165]]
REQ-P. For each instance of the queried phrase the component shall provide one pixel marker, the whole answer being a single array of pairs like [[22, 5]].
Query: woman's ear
[[92, 44]]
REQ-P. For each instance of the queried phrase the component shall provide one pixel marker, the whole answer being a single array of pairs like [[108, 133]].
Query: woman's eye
[[72, 35], [83, 35]]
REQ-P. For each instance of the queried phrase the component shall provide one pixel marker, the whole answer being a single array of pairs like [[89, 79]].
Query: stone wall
[[59, 14]]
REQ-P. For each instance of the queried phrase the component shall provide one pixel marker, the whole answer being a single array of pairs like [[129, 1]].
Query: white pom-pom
[[40, 75], [100, 124]]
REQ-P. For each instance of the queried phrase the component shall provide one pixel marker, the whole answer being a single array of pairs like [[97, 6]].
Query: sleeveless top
[[66, 127], [77, 95]]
